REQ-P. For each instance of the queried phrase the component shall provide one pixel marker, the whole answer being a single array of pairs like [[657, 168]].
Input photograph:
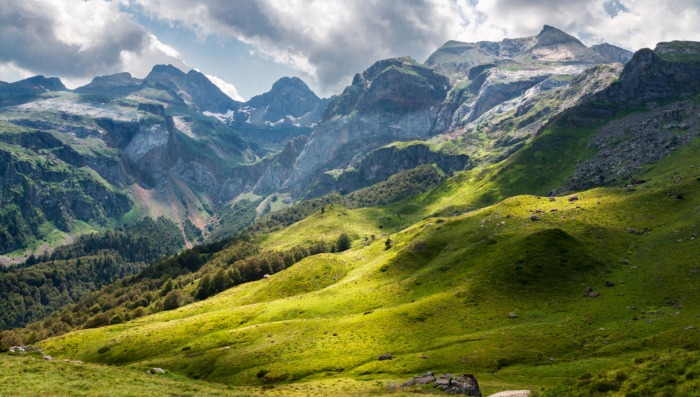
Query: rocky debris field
[[466, 384], [624, 147]]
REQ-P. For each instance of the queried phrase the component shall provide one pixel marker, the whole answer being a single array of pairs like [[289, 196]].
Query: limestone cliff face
[[335, 143], [280, 166], [394, 100], [647, 77], [384, 162]]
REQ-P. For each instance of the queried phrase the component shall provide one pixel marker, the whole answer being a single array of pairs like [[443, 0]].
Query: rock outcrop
[[384, 162], [465, 385], [280, 167]]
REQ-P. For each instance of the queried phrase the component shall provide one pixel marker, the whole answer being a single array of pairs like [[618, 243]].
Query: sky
[[244, 46]]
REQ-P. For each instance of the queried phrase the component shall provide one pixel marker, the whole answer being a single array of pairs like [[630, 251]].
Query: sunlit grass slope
[[444, 289]]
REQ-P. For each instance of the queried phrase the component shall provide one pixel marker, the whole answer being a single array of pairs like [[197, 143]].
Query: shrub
[[262, 373], [117, 319], [173, 300], [343, 243], [9, 339], [99, 320]]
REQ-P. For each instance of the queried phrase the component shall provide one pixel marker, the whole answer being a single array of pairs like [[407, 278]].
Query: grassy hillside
[[443, 287]]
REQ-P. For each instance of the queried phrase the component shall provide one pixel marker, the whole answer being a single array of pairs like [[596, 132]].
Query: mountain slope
[[394, 100], [477, 267]]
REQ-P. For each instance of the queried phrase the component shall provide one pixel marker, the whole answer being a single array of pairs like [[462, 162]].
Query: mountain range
[[522, 210]]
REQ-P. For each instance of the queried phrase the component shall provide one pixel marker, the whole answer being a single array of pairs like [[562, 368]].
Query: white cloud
[[9, 72], [330, 40], [226, 88], [77, 40]]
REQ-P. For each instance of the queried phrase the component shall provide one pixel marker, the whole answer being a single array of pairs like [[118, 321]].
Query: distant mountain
[[611, 53], [290, 101], [20, 91], [550, 45], [288, 110], [193, 87], [118, 84]]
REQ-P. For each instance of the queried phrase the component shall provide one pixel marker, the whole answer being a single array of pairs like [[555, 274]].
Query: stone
[[534, 217], [335, 334], [595, 294], [423, 356], [428, 377], [512, 315], [158, 370], [386, 356], [609, 283], [266, 276], [440, 221], [630, 188], [466, 385], [589, 289], [512, 393], [224, 348], [573, 198]]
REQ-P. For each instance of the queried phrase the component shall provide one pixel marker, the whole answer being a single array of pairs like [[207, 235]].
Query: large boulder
[[463, 385]]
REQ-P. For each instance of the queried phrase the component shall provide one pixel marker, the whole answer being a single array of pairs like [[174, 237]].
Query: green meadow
[[443, 287]]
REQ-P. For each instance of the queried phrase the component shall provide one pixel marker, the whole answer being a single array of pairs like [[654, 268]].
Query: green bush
[[343, 243]]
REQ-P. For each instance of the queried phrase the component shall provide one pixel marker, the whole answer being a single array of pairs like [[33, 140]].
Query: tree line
[[192, 275], [48, 282]]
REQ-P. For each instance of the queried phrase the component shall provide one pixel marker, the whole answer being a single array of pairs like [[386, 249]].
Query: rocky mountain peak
[[111, 84], [290, 102], [394, 85], [42, 83], [551, 36], [24, 89], [194, 87], [288, 96], [611, 53], [165, 69], [118, 79]]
